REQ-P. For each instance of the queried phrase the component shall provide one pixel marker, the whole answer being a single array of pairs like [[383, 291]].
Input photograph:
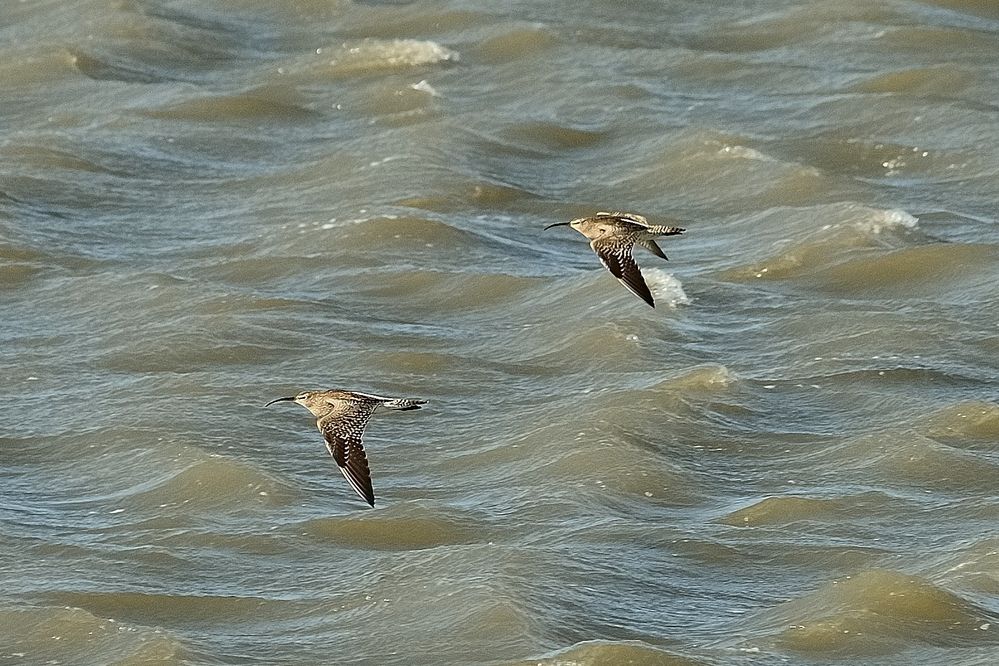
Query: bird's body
[[341, 417], [613, 236]]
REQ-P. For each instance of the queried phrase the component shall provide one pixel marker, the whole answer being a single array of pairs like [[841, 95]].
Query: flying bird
[[613, 236], [341, 416]]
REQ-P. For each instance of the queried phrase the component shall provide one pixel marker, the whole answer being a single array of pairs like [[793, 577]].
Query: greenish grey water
[[793, 459]]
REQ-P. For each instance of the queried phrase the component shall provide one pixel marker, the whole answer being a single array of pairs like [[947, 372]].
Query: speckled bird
[[342, 416], [613, 236]]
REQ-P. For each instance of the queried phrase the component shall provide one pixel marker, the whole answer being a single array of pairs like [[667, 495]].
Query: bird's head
[[591, 227], [579, 224], [311, 400]]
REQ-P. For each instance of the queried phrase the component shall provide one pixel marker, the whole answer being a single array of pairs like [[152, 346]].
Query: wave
[[878, 612], [977, 421], [905, 457], [398, 528], [612, 652], [259, 105], [51, 635], [665, 287]]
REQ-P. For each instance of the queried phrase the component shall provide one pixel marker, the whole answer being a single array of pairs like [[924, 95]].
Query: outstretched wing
[[342, 429], [400, 404], [615, 254], [631, 217]]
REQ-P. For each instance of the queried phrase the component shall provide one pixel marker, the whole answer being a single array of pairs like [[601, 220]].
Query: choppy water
[[207, 205]]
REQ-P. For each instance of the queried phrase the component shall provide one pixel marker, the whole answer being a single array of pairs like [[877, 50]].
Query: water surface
[[793, 459]]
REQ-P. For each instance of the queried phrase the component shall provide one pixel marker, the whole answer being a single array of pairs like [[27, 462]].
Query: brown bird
[[341, 416], [613, 235]]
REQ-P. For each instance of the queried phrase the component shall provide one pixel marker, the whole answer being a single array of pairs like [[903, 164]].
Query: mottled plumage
[[341, 417], [612, 237]]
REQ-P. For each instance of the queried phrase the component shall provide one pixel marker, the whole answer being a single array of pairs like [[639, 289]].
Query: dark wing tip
[[635, 282], [621, 264], [356, 472], [343, 440], [643, 294]]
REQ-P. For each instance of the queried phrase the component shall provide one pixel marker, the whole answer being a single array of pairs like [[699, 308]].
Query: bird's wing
[[371, 396], [342, 429], [615, 254], [401, 404], [632, 217]]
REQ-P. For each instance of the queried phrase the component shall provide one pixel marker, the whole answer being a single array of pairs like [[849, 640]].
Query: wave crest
[[367, 54]]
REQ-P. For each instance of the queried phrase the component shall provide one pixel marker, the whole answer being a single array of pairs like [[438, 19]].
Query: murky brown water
[[793, 459]]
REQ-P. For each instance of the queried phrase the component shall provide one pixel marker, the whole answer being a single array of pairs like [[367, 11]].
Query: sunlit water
[[207, 205]]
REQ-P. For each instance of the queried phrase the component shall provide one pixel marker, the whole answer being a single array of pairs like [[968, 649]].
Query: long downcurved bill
[[291, 399], [557, 224]]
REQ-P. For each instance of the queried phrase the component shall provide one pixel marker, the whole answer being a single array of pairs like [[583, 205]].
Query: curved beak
[[557, 224], [291, 399]]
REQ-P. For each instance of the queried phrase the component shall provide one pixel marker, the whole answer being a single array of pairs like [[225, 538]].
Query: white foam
[[714, 375], [665, 287], [875, 220], [376, 53], [745, 153], [425, 87]]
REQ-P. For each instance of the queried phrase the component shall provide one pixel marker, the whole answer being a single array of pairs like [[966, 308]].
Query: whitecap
[[875, 221], [744, 152], [665, 287], [424, 86], [388, 53]]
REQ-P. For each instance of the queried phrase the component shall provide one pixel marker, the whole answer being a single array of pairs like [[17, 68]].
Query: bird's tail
[[403, 404], [660, 230]]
